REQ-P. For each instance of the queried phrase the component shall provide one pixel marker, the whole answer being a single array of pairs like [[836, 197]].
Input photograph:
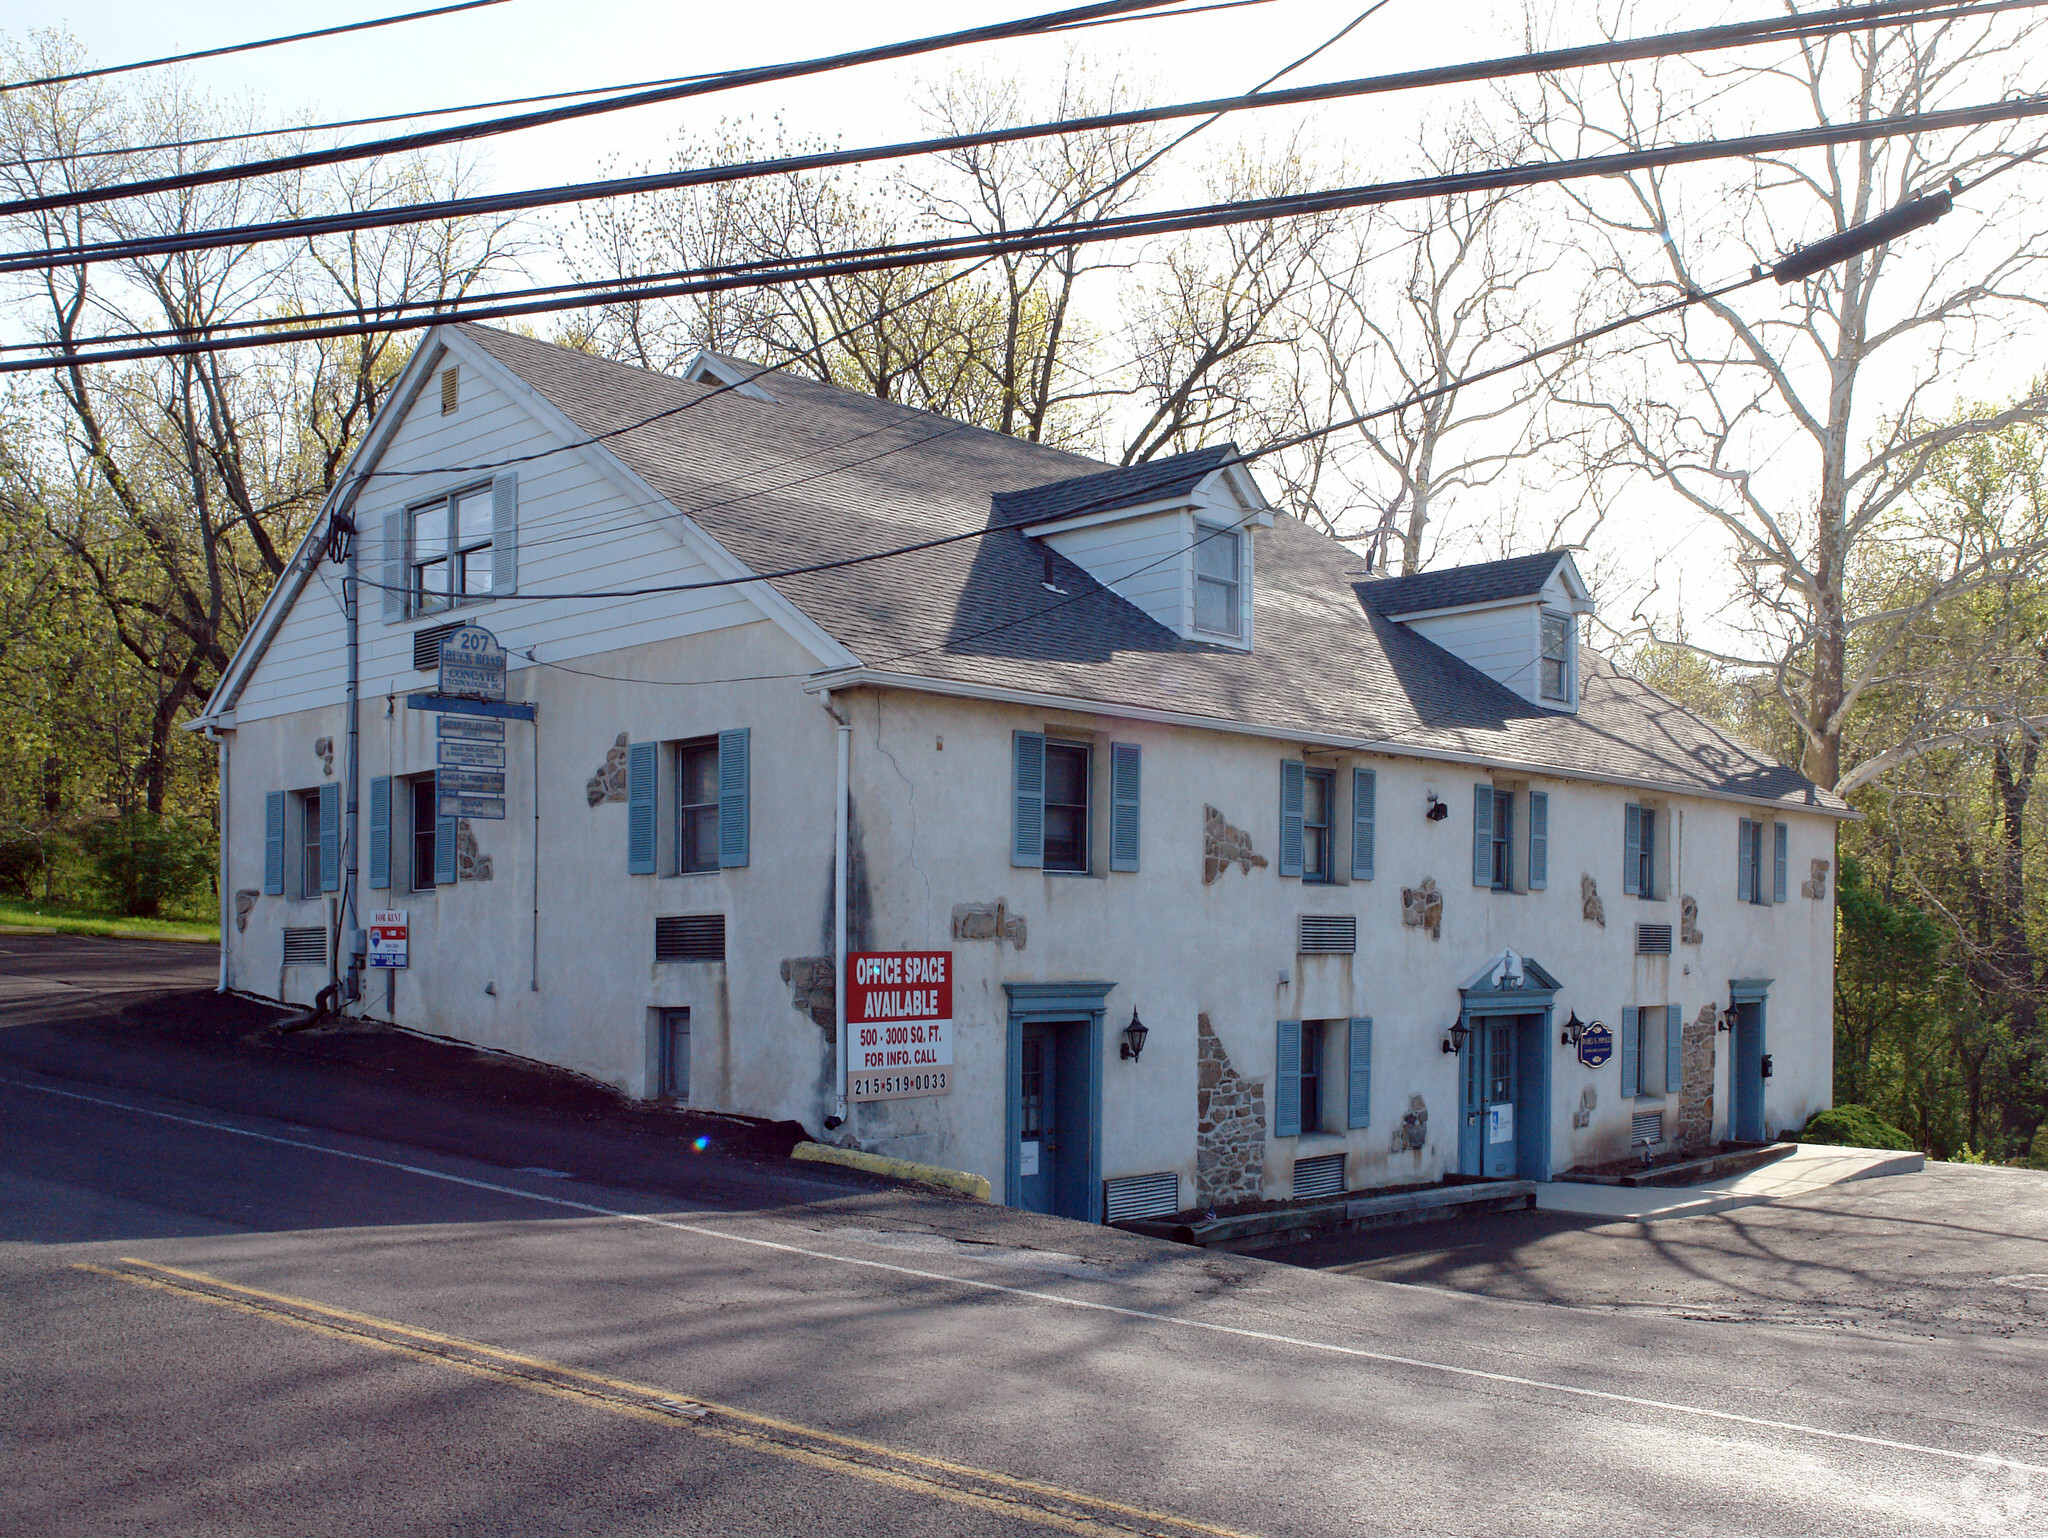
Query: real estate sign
[[899, 1023], [388, 938]]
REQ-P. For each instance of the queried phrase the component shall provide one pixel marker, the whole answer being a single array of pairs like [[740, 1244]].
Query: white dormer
[[1515, 621], [708, 368], [1173, 537]]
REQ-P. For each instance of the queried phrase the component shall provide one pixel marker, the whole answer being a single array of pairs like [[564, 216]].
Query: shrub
[[142, 862], [1855, 1126], [21, 865]]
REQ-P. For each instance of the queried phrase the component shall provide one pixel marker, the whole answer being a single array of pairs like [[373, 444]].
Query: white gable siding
[[307, 663], [1502, 643], [1145, 560]]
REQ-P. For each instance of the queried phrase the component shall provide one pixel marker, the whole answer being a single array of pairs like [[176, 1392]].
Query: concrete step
[[1715, 1166], [1251, 1231]]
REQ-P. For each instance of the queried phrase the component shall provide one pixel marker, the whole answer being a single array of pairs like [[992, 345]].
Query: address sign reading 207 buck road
[[899, 1011]]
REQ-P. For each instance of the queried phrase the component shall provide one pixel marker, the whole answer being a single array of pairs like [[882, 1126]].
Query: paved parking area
[[1953, 1250]]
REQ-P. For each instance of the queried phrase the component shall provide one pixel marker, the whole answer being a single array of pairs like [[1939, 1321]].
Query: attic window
[[1219, 568], [1557, 657], [451, 385]]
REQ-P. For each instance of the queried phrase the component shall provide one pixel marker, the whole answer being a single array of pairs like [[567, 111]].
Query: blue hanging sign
[[1596, 1045]]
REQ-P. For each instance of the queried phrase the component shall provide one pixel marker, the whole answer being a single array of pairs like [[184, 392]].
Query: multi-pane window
[[1066, 806], [1318, 799], [1645, 852], [309, 843], [1557, 657], [1218, 581], [1311, 1075], [451, 551], [697, 806], [1503, 841], [423, 834], [1750, 877]]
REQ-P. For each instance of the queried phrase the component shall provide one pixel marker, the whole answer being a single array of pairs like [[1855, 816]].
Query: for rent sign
[[899, 1016]]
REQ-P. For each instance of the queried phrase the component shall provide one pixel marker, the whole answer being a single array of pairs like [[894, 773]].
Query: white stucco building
[[1121, 741]]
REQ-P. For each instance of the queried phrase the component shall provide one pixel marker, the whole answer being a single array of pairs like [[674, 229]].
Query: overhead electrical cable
[[458, 133], [1746, 34], [1115, 227], [267, 42]]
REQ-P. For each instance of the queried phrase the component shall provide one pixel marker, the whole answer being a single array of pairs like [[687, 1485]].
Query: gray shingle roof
[[1522, 576], [1156, 480], [825, 473]]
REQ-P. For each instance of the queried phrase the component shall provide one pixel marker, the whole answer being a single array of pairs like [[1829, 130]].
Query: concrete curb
[[901, 1169], [1691, 1173], [1291, 1225]]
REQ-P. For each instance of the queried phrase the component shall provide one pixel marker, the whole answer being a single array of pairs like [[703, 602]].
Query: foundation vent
[[1328, 934], [1646, 1127], [1321, 1176], [305, 947], [1141, 1196], [1653, 939], [426, 646], [689, 937]]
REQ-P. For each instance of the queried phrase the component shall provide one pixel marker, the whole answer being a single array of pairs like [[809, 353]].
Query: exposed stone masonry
[[988, 921], [1589, 901], [1230, 1130], [323, 749], [609, 783], [1816, 884], [811, 990], [1224, 846], [1695, 1130], [470, 864], [1422, 907], [1689, 921], [1413, 1129]]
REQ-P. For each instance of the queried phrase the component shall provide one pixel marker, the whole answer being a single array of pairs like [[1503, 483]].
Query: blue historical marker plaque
[[1596, 1045]]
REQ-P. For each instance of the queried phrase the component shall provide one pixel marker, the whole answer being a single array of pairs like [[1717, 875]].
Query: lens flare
[[701, 1144]]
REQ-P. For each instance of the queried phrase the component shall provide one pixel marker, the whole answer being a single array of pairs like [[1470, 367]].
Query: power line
[[268, 42], [488, 127], [1117, 227], [1737, 35]]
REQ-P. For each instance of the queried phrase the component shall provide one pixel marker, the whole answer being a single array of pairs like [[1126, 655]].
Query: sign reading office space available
[[388, 938], [899, 1021]]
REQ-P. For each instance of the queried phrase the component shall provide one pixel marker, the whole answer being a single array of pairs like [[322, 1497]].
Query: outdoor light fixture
[[1574, 1028], [1454, 1040], [1726, 1019], [1134, 1038], [1438, 809]]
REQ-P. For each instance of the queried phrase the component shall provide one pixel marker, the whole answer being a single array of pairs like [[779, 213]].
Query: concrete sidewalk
[[1809, 1167]]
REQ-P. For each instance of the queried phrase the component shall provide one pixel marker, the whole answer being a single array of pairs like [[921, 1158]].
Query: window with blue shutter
[[380, 833], [394, 567], [1358, 1092], [1482, 835], [1745, 861], [1293, 790], [1364, 803], [1125, 775], [504, 533], [330, 838], [1027, 821], [1631, 1040], [273, 843], [1778, 862], [444, 851], [1674, 1031], [643, 760], [1287, 1079], [1539, 840], [733, 753], [1632, 851]]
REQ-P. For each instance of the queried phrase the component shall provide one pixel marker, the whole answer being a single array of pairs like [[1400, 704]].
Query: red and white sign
[[388, 938], [899, 1020]]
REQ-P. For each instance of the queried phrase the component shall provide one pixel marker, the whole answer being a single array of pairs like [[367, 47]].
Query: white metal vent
[[426, 646], [1321, 1176], [1653, 939], [689, 937], [1141, 1196], [1328, 934], [1646, 1127], [305, 947]]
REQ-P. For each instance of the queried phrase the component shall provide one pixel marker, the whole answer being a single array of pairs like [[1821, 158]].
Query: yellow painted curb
[[902, 1169]]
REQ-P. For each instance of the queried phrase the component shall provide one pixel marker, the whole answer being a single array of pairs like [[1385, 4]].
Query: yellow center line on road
[[914, 1473]]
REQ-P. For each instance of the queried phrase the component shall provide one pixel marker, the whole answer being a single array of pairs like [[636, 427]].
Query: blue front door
[[1746, 1075], [1486, 1131], [1037, 1147]]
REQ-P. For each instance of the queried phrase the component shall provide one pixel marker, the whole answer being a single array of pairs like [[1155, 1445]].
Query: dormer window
[[1219, 581], [1557, 657]]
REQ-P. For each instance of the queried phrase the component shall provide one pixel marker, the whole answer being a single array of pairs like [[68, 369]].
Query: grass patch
[[71, 919]]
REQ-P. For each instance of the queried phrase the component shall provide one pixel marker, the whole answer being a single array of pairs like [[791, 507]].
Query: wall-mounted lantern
[[1454, 1039], [1134, 1038], [1438, 809], [1726, 1019], [1574, 1028]]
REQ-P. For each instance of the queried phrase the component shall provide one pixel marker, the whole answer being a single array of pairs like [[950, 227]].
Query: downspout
[[227, 896], [840, 788], [352, 598]]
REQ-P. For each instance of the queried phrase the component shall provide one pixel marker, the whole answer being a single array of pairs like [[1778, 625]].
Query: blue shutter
[[1632, 851], [1293, 777], [380, 833], [504, 533], [273, 843], [1674, 1030], [1745, 862], [1027, 821], [1125, 765], [1631, 1032], [1482, 835], [1364, 811], [444, 851], [394, 566], [1539, 840], [1287, 1077], [1358, 1097], [1778, 862], [733, 753], [330, 838], [642, 760]]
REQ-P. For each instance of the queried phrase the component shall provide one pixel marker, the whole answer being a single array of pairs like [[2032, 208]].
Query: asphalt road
[[215, 1319]]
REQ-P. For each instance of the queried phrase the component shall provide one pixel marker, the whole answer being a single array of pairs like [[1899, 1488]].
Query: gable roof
[[1458, 587], [821, 473], [1156, 480]]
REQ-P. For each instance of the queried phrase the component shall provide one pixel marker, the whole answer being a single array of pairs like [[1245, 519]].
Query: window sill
[[1068, 875], [1309, 1144]]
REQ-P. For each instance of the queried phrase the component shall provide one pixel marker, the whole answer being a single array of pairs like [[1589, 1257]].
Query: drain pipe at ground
[[840, 791]]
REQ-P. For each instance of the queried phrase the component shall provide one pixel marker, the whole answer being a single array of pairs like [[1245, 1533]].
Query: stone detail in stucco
[[1589, 1101], [810, 982], [609, 783], [245, 900], [323, 749], [1689, 921], [1230, 1125], [1224, 846], [1412, 1131], [988, 921], [1590, 905], [1422, 907], [1816, 884], [1695, 1129], [471, 864]]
